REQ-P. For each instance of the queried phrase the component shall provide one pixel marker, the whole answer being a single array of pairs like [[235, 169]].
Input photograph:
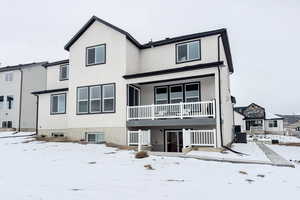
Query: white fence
[[177, 110], [140, 137], [199, 138]]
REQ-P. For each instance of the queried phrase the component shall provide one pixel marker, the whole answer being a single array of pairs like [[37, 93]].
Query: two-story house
[[17, 105], [167, 95], [254, 119]]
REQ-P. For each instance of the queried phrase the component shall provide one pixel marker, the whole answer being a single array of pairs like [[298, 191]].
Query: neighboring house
[[291, 124], [17, 105], [254, 119], [168, 95]]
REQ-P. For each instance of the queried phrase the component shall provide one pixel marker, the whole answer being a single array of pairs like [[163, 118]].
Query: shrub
[[141, 154]]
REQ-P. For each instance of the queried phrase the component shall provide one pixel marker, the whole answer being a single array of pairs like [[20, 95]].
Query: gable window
[[8, 77], [192, 92], [58, 104], [95, 138], [273, 124], [96, 55], [10, 102], [96, 99], [1, 102], [108, 98], [176, 94], [161, 95], [188, 51], [64, 72], [83, 100]]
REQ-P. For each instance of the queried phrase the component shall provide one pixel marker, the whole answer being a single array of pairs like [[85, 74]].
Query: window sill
[[180, 62], [88, 65], [96, 113]]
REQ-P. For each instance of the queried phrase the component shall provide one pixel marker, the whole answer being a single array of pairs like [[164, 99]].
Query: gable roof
[[222, 32], [20, 66]]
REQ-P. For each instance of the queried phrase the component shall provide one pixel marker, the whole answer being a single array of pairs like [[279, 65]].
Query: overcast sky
[[264, 36]]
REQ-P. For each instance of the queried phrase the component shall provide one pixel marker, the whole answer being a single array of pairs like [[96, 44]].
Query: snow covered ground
[[44, 171], [251, 151]]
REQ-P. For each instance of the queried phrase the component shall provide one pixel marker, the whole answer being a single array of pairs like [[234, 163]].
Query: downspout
[[37, 115], [220, 103], [21, 93]]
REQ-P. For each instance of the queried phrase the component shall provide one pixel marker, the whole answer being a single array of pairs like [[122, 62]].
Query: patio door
[[133, 96], [173, 141]]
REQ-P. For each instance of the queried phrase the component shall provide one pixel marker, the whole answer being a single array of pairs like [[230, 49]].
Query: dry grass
[[141, 154], [121, 147], [57, 139], [295, 144]]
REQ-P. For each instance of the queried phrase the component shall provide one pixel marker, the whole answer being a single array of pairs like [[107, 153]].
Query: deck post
[[215, 138], [152, 112], [181, 110]]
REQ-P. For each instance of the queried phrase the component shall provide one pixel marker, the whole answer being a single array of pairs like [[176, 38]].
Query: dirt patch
[[56, 139], [121, 147], [149, 167], [141, 154], [295, 144]]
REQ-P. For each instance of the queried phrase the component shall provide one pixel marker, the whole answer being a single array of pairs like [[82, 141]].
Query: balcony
[[202, 109]]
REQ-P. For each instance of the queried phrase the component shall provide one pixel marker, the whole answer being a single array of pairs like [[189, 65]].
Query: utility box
[[240, 137]]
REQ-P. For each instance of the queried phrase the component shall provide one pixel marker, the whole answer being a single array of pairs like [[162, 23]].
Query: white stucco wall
[[34, 79], [279, 129], [53, 81], [48, 121], [110, 72], [164, 57], [10, 88], [239, 121]]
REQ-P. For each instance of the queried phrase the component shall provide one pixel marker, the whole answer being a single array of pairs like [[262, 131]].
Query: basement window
[[95, 137], [57, 134]]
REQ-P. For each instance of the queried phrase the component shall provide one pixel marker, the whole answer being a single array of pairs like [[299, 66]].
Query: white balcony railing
[[169, 111], [199, 138], [139, 138]]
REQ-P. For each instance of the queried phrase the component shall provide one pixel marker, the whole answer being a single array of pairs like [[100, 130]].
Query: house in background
[[254, 119], [291, 124], [167, 95], [17, 105]]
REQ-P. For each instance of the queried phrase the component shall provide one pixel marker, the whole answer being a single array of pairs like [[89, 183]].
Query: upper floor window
[[8, 77], [96, 55], [188, 51], [64, 72], [58, 104]]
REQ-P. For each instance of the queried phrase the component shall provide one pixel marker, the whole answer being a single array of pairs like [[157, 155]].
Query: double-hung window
[[83, 100], [108, 98], [176, 93], [95, 99], [192, 93], [96, 55], [58, 103], [64, 72], [161, 95], [188, 51]]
